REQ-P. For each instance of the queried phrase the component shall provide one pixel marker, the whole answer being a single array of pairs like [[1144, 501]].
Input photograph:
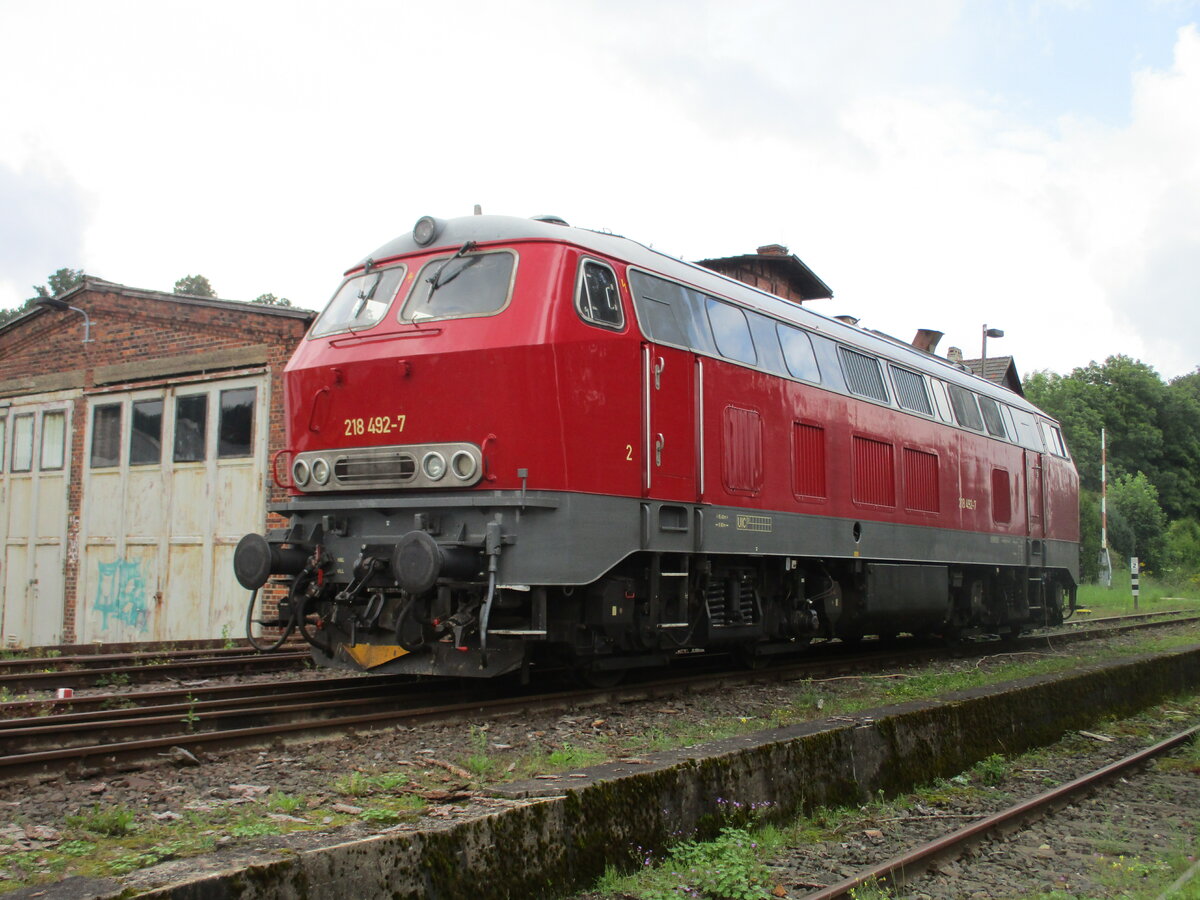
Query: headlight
[[300, 473], [434, 465], [320, 470], [464, 465], [425, 230]]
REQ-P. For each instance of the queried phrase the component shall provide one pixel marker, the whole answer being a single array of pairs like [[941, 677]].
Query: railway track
[[916, 862], [120, 728], [28, 674]]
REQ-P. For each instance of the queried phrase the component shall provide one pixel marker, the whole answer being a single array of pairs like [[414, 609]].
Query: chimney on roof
[[773, 250], [847, 320], [926, 339], [954, 355]]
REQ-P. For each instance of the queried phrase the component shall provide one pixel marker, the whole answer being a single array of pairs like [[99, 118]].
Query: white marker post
[[1133, 579]]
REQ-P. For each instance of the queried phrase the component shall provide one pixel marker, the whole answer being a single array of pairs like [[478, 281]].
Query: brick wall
[[141, 337]]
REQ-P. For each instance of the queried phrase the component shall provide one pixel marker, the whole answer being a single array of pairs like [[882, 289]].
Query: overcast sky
[[1029, 164]]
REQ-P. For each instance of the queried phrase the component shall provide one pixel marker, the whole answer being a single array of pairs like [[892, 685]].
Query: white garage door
[[173, 477], [34, 467]]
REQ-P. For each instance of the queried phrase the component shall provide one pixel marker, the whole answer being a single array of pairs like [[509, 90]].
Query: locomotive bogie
[[515, 441]]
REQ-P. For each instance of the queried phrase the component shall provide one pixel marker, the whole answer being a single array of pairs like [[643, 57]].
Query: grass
[[112, 821], [114, 840], [361, 784], [1153, 596], [730, 867]]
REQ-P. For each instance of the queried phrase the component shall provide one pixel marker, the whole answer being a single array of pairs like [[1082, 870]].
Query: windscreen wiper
[[365, 297], [435, 280]]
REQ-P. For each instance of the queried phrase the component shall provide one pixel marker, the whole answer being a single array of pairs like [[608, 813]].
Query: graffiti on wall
[[121, 594]]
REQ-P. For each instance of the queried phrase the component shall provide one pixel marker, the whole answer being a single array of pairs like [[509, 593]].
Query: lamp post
[[987, 333], [63, 306]]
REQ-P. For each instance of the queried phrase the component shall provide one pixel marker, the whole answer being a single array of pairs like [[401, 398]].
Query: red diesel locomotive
[[511, 440]]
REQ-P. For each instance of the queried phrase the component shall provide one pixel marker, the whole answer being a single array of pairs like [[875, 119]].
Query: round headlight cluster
[[300, 473], [464, 465], [433, 465], [320, 470]]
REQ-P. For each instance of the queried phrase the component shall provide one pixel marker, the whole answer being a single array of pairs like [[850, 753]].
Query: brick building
[[774, 269], [132, 462]]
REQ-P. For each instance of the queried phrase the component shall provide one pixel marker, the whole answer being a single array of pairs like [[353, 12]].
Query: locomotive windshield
[[475, 284], [361, 301]]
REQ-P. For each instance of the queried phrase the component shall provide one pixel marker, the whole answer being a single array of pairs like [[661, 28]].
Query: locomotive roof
[[453, 233]]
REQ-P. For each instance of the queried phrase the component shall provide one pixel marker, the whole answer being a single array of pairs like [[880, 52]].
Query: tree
[[1141, 523], [59, 283], [195, 286], [1182, 554], [1153, 427], [271, 300], [1089, 536]]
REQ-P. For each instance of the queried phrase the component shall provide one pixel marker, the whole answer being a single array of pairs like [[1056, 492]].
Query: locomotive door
[[669, 410], [1035, 504]]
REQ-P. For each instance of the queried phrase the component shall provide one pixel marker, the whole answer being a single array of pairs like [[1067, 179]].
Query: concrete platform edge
[[587, 818]]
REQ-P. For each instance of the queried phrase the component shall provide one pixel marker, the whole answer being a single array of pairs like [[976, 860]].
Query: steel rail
[[15, 712], [897, 869], [100, 660], [23, 682]]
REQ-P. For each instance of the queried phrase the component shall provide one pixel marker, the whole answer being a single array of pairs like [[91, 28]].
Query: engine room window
[[966, 411], [863, 375], [731, 332], [910, 391], [597, 298], [456, 287], [54, 437], [670, 313], [191, 427], [22, 443], [360, 302], [798, 353], [1026, 429], [991, 416], [145, 438], [106, 435], [235, 430]]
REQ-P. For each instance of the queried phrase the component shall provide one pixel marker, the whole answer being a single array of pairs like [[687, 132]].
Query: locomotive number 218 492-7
[[375, 425]]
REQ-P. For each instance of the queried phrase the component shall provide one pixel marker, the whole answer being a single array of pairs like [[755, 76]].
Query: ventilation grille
[[874, 472], [863, 375], [921, 480]]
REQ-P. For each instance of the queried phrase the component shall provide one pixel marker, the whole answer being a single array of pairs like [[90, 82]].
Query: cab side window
[[597, 299]]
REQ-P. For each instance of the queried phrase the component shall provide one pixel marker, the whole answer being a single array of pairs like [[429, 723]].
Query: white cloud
[[42, 219], [270, 146]]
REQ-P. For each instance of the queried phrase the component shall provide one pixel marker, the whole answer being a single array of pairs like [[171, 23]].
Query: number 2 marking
[[629, 452]]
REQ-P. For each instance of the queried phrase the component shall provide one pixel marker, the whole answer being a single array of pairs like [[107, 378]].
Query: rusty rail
[[917, 860]]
